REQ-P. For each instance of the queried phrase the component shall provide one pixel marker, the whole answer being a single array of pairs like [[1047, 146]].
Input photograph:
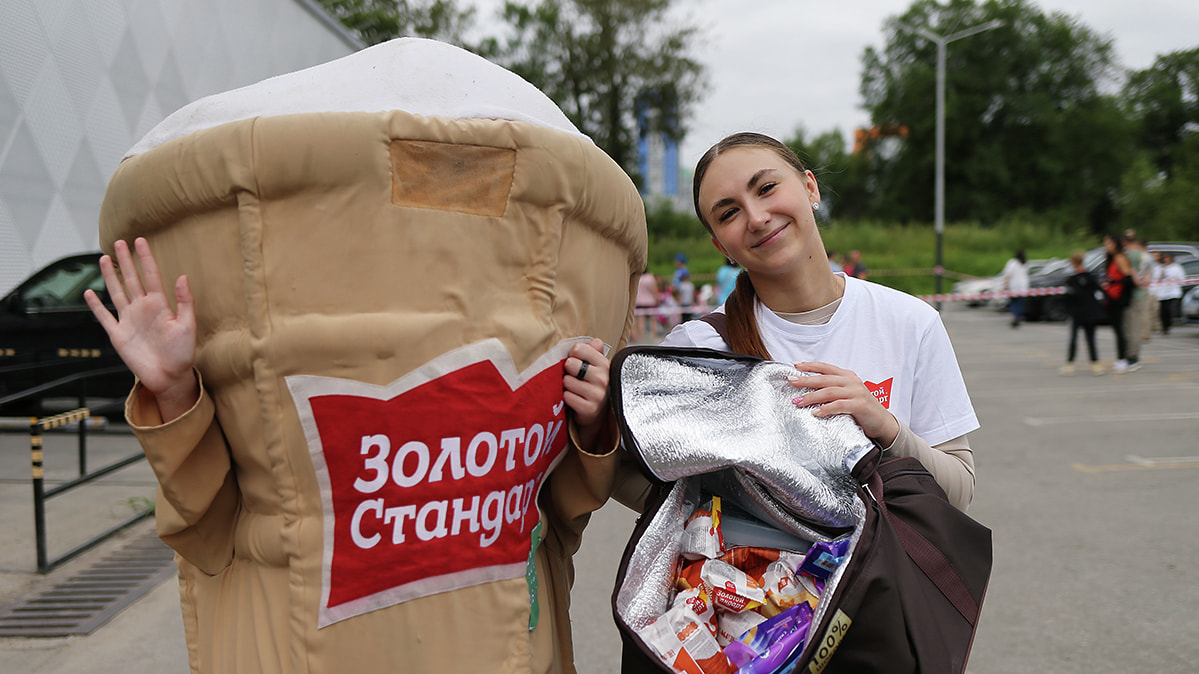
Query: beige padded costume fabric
[[357, 248]]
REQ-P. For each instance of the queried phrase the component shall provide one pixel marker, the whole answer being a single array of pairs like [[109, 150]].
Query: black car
[[47, 333], [1054, 275], [1052, 307]]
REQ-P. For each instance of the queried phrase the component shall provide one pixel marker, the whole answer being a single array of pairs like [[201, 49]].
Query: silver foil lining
[[648, 584], [696, 415], [728, 427]]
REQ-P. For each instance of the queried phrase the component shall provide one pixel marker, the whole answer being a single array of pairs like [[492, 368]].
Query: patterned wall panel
[[82, 80]]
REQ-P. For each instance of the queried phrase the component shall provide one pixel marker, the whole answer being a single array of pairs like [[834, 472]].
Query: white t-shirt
[[894, 342], [1173, 273], [1015, 275]]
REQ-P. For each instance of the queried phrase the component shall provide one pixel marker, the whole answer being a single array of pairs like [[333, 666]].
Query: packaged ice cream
[[684, 636], [785, 589], [730, 588], [702, 537], [753, 561], [729, 626]]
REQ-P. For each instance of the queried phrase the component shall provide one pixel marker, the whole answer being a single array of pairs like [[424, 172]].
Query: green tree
[[1160, 205], [375, 21], [842, 176], [1024, 110], [1164, 99], [1159, 195], [664, 222], [600, 59]]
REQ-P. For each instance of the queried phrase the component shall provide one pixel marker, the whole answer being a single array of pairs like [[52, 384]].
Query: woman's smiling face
[[759, 208]]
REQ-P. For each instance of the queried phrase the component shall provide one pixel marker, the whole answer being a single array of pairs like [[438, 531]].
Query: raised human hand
[[841, 391], [156, 343]]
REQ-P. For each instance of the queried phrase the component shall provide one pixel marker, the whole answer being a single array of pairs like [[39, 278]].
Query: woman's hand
[[840, 391], [157, 344], [587, 395]]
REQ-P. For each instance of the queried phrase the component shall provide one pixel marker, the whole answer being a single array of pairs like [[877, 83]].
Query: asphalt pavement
[[1088, 483]]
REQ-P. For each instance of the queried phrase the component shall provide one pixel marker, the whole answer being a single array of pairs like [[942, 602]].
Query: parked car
[[47, 332], [993, 284], [1189, 307], [1052, 307], [973, 286]]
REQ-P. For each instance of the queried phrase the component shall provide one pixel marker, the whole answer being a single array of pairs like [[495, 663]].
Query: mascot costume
[[392, 254]]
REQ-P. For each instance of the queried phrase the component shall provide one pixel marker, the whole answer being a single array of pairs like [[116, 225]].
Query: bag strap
[[719, 323], [923, 552], [928, 557]]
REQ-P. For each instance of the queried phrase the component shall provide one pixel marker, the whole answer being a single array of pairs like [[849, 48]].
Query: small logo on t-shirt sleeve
[[881, 391]]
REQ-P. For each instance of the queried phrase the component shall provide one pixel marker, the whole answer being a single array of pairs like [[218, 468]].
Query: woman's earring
[[815, 205]]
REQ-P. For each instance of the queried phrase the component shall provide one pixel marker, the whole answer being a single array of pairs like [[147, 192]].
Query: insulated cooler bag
[[906, 595]]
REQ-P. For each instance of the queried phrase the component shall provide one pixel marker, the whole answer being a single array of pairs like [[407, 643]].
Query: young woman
[[1118, 288], [874, 353]]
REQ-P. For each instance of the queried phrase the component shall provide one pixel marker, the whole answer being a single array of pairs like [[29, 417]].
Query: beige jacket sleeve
[[951, 463], [198, 499], [584, 481]]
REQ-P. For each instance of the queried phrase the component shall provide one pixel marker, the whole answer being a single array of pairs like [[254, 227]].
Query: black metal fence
[[38, 425]]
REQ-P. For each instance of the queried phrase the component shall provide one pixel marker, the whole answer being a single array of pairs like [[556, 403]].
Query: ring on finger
[[583, 370]]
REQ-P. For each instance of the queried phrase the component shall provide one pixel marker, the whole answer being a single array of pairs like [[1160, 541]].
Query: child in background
[[685, 295], [1084, 304]]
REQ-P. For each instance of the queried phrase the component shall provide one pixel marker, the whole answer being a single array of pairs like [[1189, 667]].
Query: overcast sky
[[778, 64]]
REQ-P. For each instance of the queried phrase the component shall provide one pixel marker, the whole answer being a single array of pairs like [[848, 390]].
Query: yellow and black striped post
[[39, 491], [81, 416], [36, 454]]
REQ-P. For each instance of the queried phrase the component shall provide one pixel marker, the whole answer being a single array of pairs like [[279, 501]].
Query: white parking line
[[1121, 418], [1141, 463]]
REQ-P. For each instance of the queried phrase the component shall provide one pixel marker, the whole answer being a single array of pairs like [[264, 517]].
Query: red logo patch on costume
[[882, 392], [429, 484]]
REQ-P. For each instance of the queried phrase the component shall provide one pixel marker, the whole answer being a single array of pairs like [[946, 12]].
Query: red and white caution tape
[[993, 294], [700, 309], [1033, 292]]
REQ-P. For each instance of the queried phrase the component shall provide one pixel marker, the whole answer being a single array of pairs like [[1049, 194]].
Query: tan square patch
[[451, 177]]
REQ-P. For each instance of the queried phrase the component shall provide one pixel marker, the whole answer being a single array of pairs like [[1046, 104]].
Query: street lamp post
[[939, 190]]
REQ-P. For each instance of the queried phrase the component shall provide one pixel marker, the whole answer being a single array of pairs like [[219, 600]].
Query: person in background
[[1136, 316], [854, 266], [1156, 270], [1169, 293], [726, 280], [1117, 290], [680, 268], [647, 299], [685, 295], [706, 296], [668, 306], [832, 262], [1084, 304], [1015, 280]]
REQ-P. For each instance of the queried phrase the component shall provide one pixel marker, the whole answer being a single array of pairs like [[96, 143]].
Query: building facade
[[81, 81]]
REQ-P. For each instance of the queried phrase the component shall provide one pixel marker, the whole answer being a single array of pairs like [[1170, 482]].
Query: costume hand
[[157, 344], [841, 391], [587, 397]]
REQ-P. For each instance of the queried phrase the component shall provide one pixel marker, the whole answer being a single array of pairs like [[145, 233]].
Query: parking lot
[[1088, 484]]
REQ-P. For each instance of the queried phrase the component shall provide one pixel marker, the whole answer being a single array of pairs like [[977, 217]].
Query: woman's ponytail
[[741, 311]]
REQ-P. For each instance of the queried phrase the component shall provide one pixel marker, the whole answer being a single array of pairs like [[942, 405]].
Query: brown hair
[[743, 335]]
